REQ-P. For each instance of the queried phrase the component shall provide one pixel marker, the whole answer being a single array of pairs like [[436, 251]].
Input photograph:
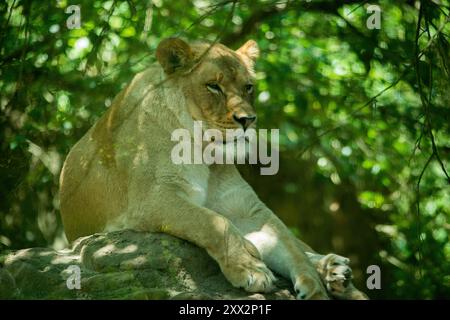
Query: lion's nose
[[348, 273], [244, 121]]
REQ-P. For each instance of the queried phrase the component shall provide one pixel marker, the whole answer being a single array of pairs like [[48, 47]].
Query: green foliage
[[363, 115]]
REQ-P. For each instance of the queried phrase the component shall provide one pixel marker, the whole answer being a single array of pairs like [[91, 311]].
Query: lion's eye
[[249, 88], [214, 88]]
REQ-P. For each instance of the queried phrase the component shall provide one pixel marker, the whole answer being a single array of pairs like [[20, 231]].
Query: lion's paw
[[252, 275], [337, 275], [309, 287], [247, 271]]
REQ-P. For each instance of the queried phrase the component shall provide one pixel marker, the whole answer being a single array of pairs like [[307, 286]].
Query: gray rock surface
[[121, 265]]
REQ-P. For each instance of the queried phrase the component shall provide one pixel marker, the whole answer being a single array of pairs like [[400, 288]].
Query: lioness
[[120, 174]]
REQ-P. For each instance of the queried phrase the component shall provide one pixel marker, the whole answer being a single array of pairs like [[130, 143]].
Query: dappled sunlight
[[128, 249], [104, 251], [363, 118], [64, 259]]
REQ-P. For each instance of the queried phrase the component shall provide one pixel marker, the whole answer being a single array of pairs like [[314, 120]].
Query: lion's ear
[[174, 54], [249, 50]]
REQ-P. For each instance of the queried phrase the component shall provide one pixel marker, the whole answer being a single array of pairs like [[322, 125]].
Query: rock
[[7, 284], [121, 265]]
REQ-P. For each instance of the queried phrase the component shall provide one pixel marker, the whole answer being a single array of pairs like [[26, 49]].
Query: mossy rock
[[120, 265]]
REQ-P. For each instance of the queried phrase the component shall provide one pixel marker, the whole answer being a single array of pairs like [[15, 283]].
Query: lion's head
[[217, 82]]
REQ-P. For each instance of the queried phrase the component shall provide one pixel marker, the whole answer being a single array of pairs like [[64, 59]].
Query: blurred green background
[[363, 116]]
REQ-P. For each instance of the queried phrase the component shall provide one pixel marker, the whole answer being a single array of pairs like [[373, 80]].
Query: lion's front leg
[[234, 198], [239, 260], [279, 250]]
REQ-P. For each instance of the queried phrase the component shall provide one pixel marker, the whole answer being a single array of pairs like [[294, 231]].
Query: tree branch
[[267, 12]]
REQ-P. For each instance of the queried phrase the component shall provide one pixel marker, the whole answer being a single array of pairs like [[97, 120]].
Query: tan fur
[[120, 175]]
